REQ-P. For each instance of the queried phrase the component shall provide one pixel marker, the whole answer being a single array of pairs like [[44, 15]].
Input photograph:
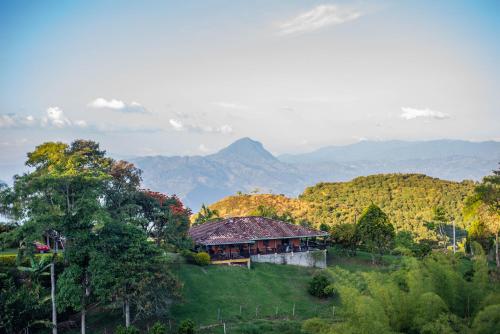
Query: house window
[[266, 243]]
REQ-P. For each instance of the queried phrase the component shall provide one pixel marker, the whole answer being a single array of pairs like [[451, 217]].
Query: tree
[[22, 307], [206, 214], [345, 236], [483, 210], [374, 230], [487, 321], [63, 195], [164, 218], [127, 268]]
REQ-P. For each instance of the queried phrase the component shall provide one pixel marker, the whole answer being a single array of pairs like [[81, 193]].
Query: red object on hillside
[[41, 248]]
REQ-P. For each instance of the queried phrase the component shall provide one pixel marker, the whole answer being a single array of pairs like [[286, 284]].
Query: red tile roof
[[247, 230]]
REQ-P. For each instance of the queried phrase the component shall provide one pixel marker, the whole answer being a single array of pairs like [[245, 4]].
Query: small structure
[[240, 240]]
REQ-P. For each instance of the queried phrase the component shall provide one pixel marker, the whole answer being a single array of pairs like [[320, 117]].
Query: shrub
[[318, 285], [158, 328], [186, 327], [201, 259], [188, 255], [8, 260], [126, 330], [315, 325]]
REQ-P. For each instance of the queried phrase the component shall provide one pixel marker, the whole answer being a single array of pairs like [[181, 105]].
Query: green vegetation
[[374, 231], [216, 293], [119, 252], [408, 200], [318, 284], [78, 199]]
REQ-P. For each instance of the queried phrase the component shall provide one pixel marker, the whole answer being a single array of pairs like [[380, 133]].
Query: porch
[[262, 247]]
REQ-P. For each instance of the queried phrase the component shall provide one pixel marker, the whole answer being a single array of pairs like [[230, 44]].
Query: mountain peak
[[245, 149]]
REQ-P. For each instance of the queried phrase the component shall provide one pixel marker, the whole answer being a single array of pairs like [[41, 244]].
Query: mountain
[[396, 150], [407, 199], [242, 166], [246, 165]]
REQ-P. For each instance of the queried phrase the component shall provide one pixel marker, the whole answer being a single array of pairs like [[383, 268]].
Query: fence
[[231, 320]]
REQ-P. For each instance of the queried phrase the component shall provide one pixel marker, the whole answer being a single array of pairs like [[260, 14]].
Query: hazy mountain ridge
[[246, 165]]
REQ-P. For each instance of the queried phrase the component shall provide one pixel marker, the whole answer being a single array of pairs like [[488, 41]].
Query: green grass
[[362, 261], [266, 286]]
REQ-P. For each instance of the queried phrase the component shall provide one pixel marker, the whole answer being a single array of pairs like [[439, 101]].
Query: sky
[[190, 77]]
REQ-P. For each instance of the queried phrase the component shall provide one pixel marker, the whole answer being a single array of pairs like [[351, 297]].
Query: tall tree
[[62, 194], [128, 269], [374, 230], [483, 210]]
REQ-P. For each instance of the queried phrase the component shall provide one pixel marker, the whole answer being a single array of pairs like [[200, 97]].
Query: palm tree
[[205, 215]]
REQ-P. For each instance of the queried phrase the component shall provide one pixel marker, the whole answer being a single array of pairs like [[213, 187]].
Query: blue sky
[[189, 77]]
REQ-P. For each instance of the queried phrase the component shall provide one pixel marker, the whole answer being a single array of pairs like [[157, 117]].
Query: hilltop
[[246, 165], [408, 200]]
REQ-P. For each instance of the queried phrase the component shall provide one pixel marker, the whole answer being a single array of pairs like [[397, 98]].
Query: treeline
[[108, 239], [409, 200]]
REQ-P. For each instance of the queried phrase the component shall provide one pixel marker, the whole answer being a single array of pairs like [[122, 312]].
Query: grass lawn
[[362, 261], [267, 287]]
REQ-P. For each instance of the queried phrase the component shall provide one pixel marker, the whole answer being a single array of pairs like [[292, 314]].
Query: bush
[[186, 327], [126, 330], [201, 259], [8, 260], [314, 326], [188, 255], [318, 285], [158, 328]]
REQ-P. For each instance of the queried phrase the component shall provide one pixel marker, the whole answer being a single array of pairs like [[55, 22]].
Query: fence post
[[256, 311], [224, 328], [293, 310], [240, 310], [218, 314]]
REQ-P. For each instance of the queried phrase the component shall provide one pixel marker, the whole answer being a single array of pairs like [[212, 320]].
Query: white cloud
[[318, 18], [230, 105], [412, 113], [54, 117], [224, 129], [180, 126], [177, 125], [102, 103]]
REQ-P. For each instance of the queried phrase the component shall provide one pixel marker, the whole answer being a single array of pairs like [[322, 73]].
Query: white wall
[[305, 259]]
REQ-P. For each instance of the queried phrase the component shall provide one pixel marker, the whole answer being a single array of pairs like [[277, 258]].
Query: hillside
[[246, 165], [408, 199]]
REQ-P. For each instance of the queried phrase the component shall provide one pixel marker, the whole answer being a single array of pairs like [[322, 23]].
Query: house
[[240, 240]]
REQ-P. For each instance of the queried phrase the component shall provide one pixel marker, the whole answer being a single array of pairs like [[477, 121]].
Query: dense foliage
[[409, 201], [91, 208], [318, 284], [440, 294]]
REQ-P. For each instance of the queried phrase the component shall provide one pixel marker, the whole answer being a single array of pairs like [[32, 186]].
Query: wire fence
[[230, 320]]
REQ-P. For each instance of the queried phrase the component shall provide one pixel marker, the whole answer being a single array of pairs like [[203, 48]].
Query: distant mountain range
[[247, 166]]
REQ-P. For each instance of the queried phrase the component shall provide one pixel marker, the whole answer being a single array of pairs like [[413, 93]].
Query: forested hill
[[246, 165], [408, 200]]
